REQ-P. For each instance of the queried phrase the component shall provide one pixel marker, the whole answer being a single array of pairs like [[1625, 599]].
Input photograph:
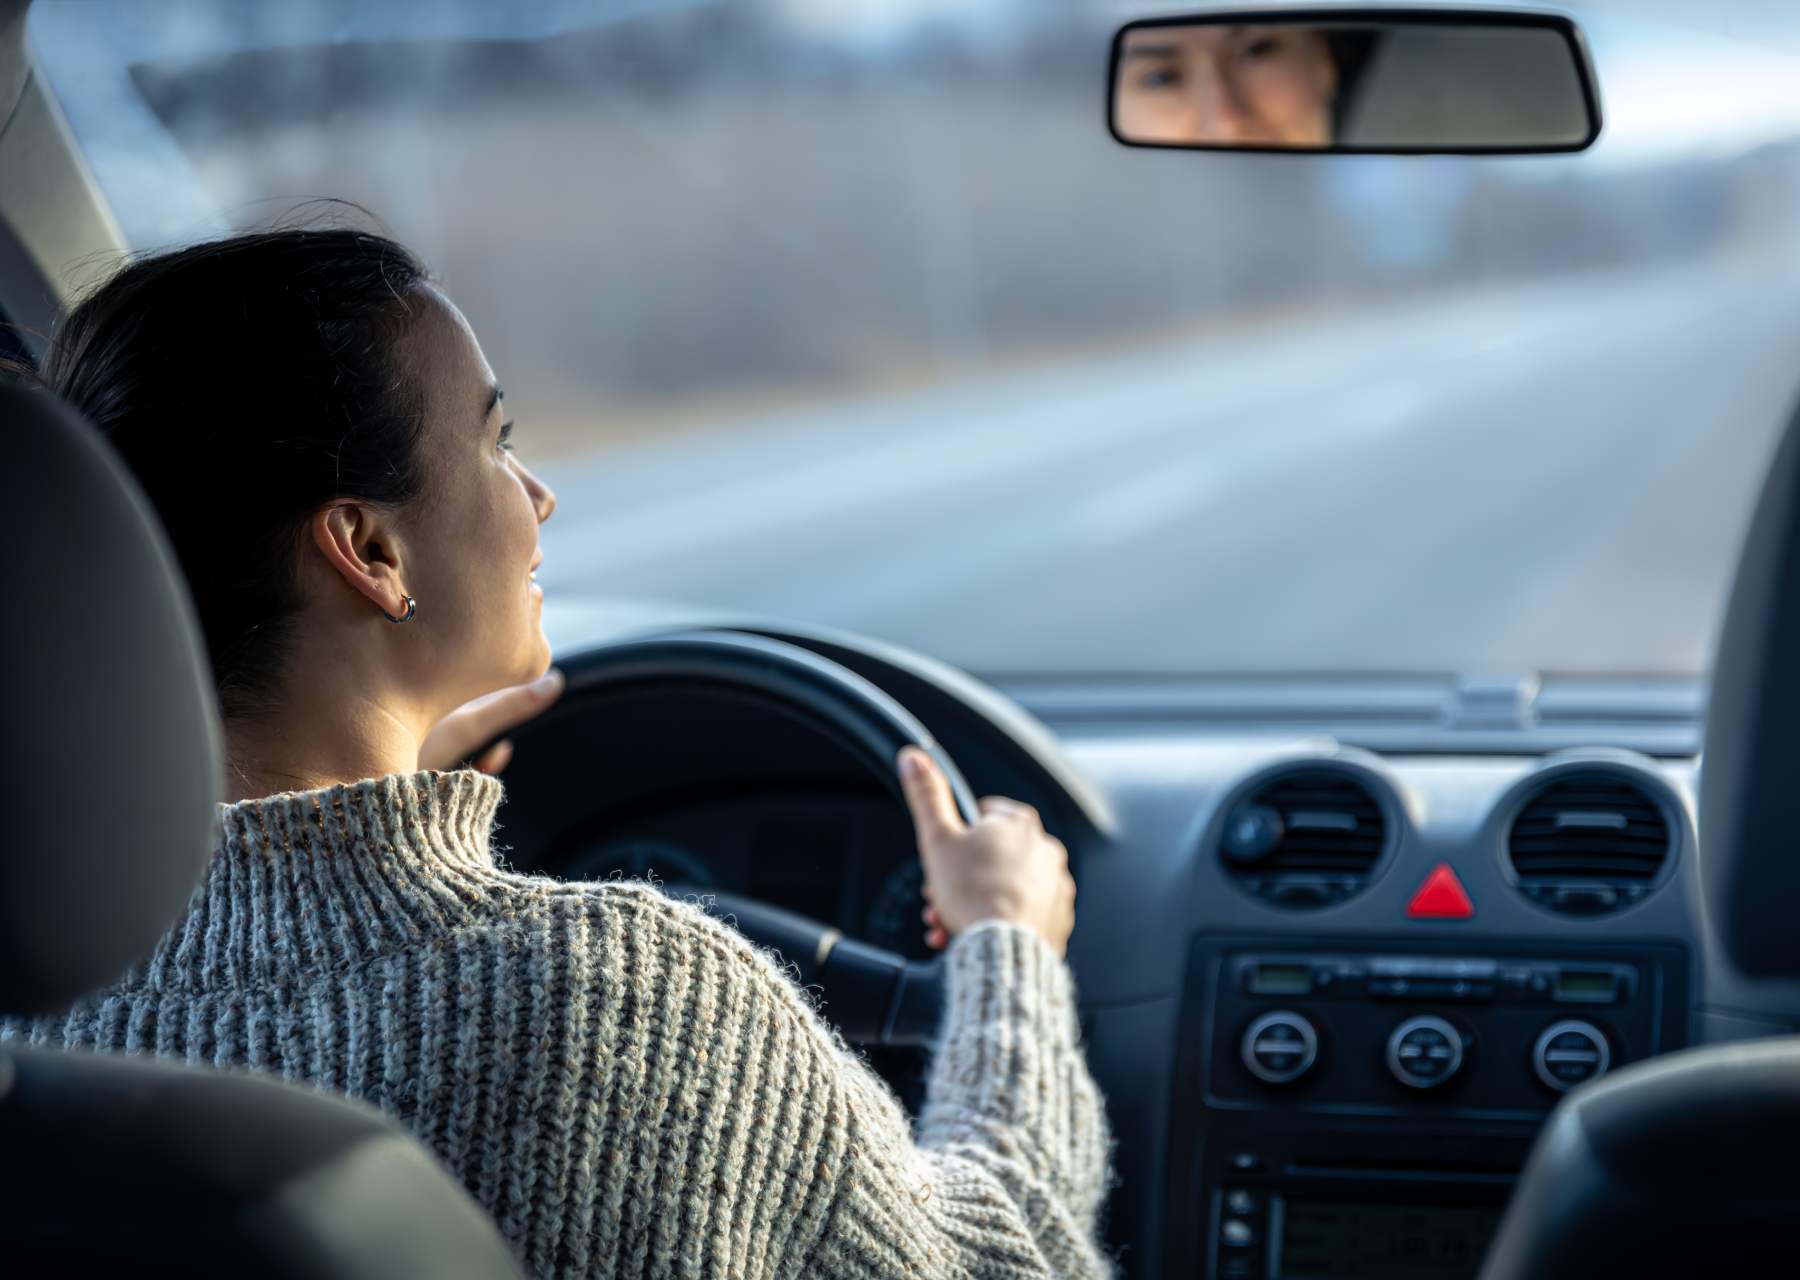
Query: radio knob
[[1424, 1052], [1570, 1053], [1280, 1047]]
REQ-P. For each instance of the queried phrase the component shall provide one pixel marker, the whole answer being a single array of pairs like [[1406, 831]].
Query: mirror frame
[[1540, 20]]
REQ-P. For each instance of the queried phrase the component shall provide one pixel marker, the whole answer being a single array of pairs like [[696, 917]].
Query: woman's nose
[[1219, 103], [543, 498]]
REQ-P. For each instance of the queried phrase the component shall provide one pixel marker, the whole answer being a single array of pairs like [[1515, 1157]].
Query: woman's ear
[[360, 544]]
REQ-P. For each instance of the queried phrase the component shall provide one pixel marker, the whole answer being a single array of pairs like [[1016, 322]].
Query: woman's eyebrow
[[495, 396], [1152, 50]]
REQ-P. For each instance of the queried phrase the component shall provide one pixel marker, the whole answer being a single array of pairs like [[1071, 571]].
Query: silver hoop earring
[[412, 607]]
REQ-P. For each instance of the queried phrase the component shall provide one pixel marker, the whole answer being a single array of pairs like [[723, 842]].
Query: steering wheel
[[877, 997]]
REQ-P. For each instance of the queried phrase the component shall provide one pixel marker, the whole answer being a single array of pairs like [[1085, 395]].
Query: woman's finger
[[496, 757], [486, 717], [1005, 805], [508, 708]]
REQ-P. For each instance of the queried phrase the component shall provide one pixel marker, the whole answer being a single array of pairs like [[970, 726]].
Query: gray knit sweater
[[624, 1083]]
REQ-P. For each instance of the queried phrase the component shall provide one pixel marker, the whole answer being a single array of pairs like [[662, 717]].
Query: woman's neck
[[317, 743]]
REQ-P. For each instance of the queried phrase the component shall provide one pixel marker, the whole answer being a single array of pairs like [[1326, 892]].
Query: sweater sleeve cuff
[[1009, 1018]]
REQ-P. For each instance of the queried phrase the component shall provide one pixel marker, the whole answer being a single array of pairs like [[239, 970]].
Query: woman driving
[[626, 1085]]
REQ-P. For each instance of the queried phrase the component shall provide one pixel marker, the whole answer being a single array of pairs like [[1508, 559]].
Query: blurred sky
[[1676, 78]]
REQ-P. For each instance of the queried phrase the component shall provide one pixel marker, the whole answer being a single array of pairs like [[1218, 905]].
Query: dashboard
[[1350, 1063], [1331, 991]]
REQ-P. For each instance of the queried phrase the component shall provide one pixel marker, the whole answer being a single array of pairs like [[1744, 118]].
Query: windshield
[[854, 314]]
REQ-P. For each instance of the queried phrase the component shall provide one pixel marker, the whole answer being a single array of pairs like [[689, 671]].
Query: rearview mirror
[[1395, 81]]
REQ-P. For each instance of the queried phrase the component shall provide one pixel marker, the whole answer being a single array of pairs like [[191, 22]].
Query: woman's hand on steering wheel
[[1004, 867], [480, 719]]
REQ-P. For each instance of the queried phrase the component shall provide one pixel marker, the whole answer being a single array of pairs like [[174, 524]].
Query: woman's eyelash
[[506, 435]]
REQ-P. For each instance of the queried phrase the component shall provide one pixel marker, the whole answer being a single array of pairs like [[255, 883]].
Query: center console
[[1348, 1109]]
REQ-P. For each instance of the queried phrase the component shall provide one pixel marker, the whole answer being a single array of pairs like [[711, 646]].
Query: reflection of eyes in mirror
[[1228, 86]]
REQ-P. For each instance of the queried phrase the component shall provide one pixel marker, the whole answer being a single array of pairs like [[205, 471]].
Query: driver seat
[[111, 767]]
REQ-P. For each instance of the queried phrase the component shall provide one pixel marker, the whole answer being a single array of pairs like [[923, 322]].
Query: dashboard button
[[1237, 1234], [1280, 1047], [1440, 897], [1424, 1052], [1570, 1053], [1241, 1202]]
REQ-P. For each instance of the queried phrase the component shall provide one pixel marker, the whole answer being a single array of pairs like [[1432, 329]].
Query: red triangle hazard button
[[1441, 897]]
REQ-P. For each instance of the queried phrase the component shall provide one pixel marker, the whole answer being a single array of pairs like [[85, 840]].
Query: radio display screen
[[1343, 1240], [1280, 980], [1586, 986]]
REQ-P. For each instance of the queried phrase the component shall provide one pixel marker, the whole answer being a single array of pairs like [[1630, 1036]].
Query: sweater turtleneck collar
[[306, 882]]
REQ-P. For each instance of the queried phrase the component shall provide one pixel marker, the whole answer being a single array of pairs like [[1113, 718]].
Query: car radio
[[1297, 1063], [1425, 1050], [1487, 1033]]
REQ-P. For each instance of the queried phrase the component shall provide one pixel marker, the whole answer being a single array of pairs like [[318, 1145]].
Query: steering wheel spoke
[[884, 998]]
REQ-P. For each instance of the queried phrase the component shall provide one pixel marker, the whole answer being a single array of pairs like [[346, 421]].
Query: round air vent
[[1589, 842], [1304, 839]]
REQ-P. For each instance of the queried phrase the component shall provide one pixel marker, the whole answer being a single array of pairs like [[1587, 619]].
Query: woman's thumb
[[928, 795]]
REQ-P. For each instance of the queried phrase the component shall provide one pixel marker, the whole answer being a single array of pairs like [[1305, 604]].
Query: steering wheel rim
[[876, 996]]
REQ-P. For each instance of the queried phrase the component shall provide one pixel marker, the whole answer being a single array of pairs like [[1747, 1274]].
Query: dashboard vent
[[1589, 843], [1304, 839]]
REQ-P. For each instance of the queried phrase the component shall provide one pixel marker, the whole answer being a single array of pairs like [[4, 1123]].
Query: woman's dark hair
[[247, 382]]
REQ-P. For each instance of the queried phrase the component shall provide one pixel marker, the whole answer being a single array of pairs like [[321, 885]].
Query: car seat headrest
[[110, 758], [1749, 839]]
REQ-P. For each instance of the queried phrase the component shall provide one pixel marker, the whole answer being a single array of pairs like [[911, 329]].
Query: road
[[1552, 476]]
